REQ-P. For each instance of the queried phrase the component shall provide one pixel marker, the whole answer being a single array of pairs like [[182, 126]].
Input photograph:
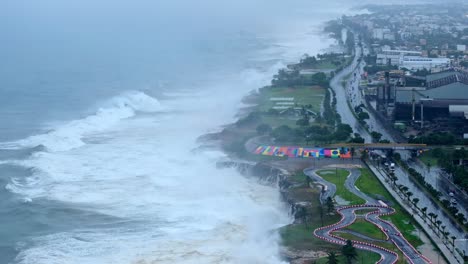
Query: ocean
[[101, 105]]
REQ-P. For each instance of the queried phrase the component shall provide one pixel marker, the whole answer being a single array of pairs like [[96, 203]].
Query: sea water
[[101, 105]]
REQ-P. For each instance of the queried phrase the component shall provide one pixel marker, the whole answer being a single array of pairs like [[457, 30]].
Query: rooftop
[[445, 78]]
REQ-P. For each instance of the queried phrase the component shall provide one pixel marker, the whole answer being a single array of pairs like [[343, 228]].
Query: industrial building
[[414, 63], [441, 96], [393, 56]]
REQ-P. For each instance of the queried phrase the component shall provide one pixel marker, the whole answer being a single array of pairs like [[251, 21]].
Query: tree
[[263, 129], [415, 202], [343, 131], [424, 210], [349, 251], [363, 116], [357, 139], [453, 240], [376, 136], [330, 205], [408, 195], [303, 121], [332, 258], [438, 222], [431, 215], [321, 213]]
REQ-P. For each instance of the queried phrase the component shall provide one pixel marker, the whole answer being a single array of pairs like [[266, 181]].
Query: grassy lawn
[[370, 185], [301, 237], [364, 257], [363, 227], [303, 95], [300, 177], [338, 178], [323, 64], [389, 246], [363, 211], [276, 121], [428, 158]]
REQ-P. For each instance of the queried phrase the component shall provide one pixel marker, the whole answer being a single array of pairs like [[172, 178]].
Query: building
[[443, 95], [393, 56], [382, 33], [461, 47], [414, 63]]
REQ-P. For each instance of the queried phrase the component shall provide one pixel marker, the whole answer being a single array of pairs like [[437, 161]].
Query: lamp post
[[422, 100]]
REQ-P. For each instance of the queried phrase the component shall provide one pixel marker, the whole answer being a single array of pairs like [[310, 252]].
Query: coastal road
[[425, 201], [342, 107], [348, 216]]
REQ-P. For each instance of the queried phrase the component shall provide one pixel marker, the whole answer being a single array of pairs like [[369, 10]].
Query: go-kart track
[[348, 217]]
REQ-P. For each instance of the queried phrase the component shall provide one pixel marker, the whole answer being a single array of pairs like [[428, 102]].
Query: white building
[[389, 36], [379, 33], [394, 56], [419, 63], [461, 47]]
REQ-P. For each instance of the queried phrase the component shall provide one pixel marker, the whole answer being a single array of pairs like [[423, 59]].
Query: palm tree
[[349, 251], [330, 205], [415, 202], [453, 241], [424, 210], [409, 194], [446, 235], [438, 222], [431, 215], [332, 259]]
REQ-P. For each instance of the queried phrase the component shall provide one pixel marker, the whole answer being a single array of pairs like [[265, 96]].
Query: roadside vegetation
[[338, 177], [299, 235], [370, 185]]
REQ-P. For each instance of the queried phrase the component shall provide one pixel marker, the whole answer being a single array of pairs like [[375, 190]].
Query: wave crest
[[70, 135]]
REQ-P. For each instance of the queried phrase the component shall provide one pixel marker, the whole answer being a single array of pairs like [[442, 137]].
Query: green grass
[[370, 185], [323, 64], [389, 246], [303, 95], [428, 158], [299, 177], [363, 211], [338, 178], [363, 227], [301, 237], [276, 121], [364, 257]]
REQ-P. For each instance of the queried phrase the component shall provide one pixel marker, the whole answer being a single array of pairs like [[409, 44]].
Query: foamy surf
[[70, 135], [174, 205]]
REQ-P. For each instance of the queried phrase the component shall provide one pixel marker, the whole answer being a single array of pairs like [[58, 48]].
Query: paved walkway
[[348, 217]]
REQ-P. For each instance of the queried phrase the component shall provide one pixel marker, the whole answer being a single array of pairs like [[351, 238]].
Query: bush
[[263, 129], [249, 119]]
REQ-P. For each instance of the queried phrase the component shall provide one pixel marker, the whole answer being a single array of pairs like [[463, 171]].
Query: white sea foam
[[142, 168], [70, 135]]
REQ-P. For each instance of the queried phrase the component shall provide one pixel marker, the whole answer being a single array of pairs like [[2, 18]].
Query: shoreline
[[274, 172]]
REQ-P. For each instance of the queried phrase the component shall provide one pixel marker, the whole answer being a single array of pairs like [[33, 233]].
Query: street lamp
[[422, 100]]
